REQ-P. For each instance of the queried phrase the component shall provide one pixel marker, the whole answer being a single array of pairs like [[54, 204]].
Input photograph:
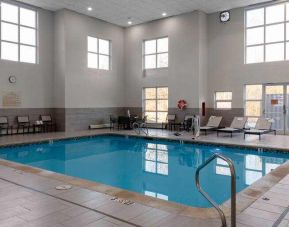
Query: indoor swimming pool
[[157, 168]]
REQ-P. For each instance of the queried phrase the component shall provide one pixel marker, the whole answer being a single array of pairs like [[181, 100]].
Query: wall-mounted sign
[[11, 99]]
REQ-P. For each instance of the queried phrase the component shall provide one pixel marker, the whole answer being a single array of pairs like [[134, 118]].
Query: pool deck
[[28, 196]]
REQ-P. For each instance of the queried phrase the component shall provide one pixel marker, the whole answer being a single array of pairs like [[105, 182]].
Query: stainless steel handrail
[[140, 127], [233, 189]]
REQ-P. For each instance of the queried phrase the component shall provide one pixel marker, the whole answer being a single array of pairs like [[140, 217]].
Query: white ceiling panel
[[140, 11]]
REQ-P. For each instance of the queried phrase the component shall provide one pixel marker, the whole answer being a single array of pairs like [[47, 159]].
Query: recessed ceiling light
[[164, 14], [129, 22], [89, 8]]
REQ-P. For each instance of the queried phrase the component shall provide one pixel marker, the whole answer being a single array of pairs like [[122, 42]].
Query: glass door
[[275, 104]]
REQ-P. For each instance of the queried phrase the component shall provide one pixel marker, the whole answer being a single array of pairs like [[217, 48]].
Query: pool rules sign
[[11, 99]]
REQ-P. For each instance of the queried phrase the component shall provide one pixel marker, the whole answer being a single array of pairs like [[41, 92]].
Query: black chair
[[171, 119], [4, 125], [187, 123], [23, 123], [48, 124], [112, 122], [123, 122]]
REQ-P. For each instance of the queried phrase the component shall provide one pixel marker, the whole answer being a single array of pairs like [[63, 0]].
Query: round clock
[[12, 79], [225, 16]]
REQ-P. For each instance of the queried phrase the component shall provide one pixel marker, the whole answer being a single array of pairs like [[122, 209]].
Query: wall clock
[[225, 16], [12, 79]]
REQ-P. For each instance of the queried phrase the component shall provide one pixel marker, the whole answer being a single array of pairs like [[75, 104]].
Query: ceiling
[[140, 11]]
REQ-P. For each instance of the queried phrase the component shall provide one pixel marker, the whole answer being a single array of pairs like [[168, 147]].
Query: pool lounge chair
[[237, 125], [213, 124], [263, 126], [112, 122]]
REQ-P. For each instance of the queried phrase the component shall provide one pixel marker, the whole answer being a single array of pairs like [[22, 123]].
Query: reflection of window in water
[[222, 168], [156, 159], [253, 165], [255, 168], [270, 166], [272, 163], [156, 195]]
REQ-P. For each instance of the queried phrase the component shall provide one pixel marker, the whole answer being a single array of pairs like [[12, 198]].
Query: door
[[276, 105]]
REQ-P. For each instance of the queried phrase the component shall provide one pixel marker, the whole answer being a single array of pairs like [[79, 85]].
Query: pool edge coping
[[244, 198]]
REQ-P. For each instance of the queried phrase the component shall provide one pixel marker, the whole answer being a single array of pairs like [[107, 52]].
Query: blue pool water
[[155, 168]]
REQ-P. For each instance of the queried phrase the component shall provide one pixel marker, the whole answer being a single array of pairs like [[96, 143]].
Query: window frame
[[19, 26], [99, 54], [216, 101], [264, 26], [144, 99], [154, 54]]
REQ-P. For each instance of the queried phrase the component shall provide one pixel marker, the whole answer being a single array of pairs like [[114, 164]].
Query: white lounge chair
[[213, 124], [263, 126], [237, 125]]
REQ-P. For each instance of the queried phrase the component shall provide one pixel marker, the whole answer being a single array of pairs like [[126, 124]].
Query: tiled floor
[[20, 206], [27, 199]]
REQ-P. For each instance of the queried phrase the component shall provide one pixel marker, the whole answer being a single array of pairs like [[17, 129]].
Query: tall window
[[98, 53], [253, 103], [155, 104], [18, 33], [267, 33], [156, 53], [223, 100]]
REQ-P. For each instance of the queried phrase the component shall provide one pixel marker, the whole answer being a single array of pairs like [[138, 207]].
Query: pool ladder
[[233, 189]]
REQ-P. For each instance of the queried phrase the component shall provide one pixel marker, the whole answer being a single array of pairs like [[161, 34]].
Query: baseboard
[[100, 126]]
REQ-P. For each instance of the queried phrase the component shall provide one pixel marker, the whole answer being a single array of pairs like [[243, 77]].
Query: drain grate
[[122, 201], [18, 171], [63, 187], [265, 199]]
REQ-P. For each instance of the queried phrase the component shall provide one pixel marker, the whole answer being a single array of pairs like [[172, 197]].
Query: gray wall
[[34, 82], [184, 75], [226, 68], [89, 96], [204, 56], [88, 88]]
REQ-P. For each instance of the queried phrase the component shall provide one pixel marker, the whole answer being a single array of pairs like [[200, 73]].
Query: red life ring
[[182, 104]]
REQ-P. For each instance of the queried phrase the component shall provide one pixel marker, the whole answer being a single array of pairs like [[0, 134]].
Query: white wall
[[226, 68], [59, 60], [34, 82], [89, 88], [183, 75]]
